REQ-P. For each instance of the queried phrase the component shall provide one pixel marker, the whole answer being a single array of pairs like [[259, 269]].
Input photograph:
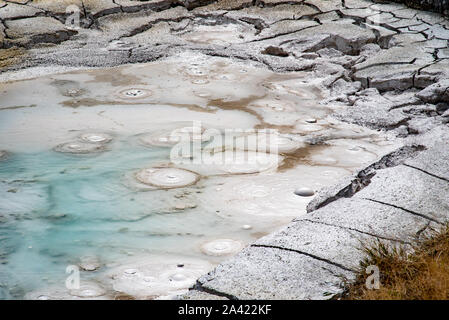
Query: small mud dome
[[133, 167]]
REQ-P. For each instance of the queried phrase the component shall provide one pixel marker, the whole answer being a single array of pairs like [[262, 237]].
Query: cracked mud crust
[[381, 65]]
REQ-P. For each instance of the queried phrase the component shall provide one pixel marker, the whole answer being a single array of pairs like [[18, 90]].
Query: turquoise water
[[56, 208]]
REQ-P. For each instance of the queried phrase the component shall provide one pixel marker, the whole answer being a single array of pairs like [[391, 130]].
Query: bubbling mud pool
[[89, 179]]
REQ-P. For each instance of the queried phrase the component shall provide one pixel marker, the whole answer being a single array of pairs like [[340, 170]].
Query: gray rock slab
[[435, 159], [270, 273], [404, 39], [371, 109], [438, 32], [405, 23], [336, 245], [396, 55], [328, 16], [356, 4], [443, 53], [224, 6], [286, 26], [429, 17], [381, 18], [422, 123], [437, 92], [121, 25], [371, 218], [37, 30], [344, 35], [92, 7], [388, 76], [432, 73], [419, 28], [405, 13], [15, 11], [360, 13], [388, 7], [274, 14], [325, 6], [55, 7], [410, 189], [101, 7], [199, 295]]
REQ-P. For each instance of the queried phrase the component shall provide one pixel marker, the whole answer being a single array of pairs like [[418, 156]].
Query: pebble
[[304, 192]]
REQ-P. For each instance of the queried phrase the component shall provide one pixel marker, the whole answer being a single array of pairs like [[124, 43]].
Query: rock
[[304, 192], [433, 159], [409, 189], [15, 11], [419, 125], [343, 36], [438, 92], [270, 273], [275, 51], [433, 73], [372, 110], [200, 295], [329, 53], [28, 32]]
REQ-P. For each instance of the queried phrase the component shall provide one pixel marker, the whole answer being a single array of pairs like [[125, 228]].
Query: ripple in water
[[76, 147]]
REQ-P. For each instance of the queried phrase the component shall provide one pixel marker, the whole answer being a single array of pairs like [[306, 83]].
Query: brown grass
[[419, 272]]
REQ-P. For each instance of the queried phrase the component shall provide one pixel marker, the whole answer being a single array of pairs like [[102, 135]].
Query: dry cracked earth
[[385, 64]]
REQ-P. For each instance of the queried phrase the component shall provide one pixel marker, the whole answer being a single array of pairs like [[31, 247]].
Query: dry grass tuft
[[416, 272], [11, 56]]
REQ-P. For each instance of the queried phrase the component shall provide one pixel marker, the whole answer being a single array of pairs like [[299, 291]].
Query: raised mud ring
[[134, 93], [88, 290], [156, 277], [93, 137], [76, 147], [167, 178], [221, 247]]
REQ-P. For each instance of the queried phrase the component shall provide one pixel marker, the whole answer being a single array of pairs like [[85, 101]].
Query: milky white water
[[89, 179]]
